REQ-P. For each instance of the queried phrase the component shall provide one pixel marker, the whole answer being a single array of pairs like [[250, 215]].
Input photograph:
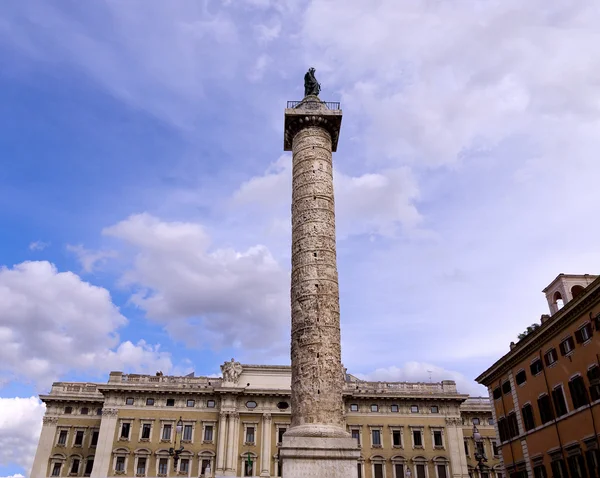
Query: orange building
[[545, 391]]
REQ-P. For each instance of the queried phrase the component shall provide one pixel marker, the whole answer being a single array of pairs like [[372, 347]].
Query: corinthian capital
[[110, 412], [50, 420]]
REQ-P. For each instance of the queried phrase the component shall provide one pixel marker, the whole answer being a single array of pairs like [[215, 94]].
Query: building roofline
[[554, 324], [568, 276]]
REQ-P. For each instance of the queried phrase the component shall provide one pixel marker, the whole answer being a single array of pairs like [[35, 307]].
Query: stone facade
[[118, 428]]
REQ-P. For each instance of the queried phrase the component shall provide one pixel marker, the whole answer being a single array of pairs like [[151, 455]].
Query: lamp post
[[479, 451], [175, 452]]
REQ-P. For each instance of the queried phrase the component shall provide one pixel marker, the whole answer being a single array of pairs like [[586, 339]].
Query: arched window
[[557, 300], [576, 291], [249, 464], [378, 464]]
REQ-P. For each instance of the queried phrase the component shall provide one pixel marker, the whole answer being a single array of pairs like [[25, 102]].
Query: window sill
[[249, 443], [418, 447], [438, 447], [77, 445], [61, 445], [145, 439], [140, 474], [186, 441], [210, 442], [123, 439], [119, 472]]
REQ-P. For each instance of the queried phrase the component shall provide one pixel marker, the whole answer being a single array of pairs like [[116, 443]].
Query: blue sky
[[145, 196]]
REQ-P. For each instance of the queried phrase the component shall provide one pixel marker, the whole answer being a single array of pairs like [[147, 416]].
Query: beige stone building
[[232, 426]]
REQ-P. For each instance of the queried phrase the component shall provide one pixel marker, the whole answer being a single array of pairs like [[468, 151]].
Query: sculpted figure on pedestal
[[311, 85], [231, 372]]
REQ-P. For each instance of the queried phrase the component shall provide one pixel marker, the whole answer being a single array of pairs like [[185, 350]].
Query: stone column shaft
[[232, 439], [317, 378], [106, 437]]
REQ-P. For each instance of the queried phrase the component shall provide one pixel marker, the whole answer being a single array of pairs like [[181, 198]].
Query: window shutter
[[578, 336], [562, 349], [546, 359]]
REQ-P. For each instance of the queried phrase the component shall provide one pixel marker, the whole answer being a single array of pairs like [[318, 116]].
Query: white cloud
[[235, 298], [54, 322], [258, 70], [38, 246], [372, 203], [18, 475], [89, 259], [20, 427], [424, 372]]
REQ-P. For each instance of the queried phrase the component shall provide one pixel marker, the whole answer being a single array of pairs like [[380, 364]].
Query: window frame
[[354, 407], [523, 374], [421, 431], [379, 430], [414, 409]]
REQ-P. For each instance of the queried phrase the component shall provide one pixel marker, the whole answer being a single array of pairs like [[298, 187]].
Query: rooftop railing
[[330, 105]]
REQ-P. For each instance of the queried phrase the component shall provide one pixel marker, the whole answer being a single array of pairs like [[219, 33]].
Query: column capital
[[267, 417], [453, 421], [110, 412], [50, 420]]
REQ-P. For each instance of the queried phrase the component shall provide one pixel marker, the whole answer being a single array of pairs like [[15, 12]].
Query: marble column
[[221, 441], [316, 443], [42, 455], [265, 454], [106, 438]]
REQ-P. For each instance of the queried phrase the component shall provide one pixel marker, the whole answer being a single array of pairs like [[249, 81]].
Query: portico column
[[106, 438], [265, 454], [222, 439], [458, 459], [42, 455]]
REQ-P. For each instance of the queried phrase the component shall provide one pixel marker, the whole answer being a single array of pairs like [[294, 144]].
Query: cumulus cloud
[[424, 372], [54, 322], [235, 298], [20, 427], [89, 259], [372, 203]]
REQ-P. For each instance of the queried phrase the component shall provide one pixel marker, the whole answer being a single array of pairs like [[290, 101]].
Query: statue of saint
[[311, 85]]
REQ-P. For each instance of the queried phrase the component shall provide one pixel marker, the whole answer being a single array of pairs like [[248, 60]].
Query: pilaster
[[106, 438], [458, 459], [42, 455], [265, 454], [232, 444], [221, 441]]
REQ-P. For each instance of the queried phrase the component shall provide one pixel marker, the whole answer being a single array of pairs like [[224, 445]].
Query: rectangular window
[[578, 391], [417, 438], [62, 437], [376, 434], [399, 470], [435, 409], [358, 469], [166, 434], [414, 409], [378, 469], [503, 429], [521, 377], [550, 357], [475, 421], [205, 464], [120, 464], [210, 404], [584, 334], [56, 469], [150, 402], [593, 375], [129, 401], [567, 346], [354, 407], [75, 466], [437, 439], [480, 448], [536, 367], [593, 462], [281, 431], [394, 408], [559, 469], [513, 425], [420, 471], [184, 465], [497, 393], [94, 438], [355, 435], [506, 387], [146, 430], [208, 433], [89, 466], [191, 403], [545, 407], [250, 435], [125, 427], [163, 466], [539, 471], [560, 404], [98, 411], [490, 421], [374, 408], [68, 410], [495, 449], [170, 402], [441, 469], [528, 420], [466, 443], [187, 432], [396, 438], [576, 466], [79, 438], [85, 411], [141, 466]]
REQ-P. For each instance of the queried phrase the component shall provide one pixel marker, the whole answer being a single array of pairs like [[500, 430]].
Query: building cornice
[[534, 341]]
